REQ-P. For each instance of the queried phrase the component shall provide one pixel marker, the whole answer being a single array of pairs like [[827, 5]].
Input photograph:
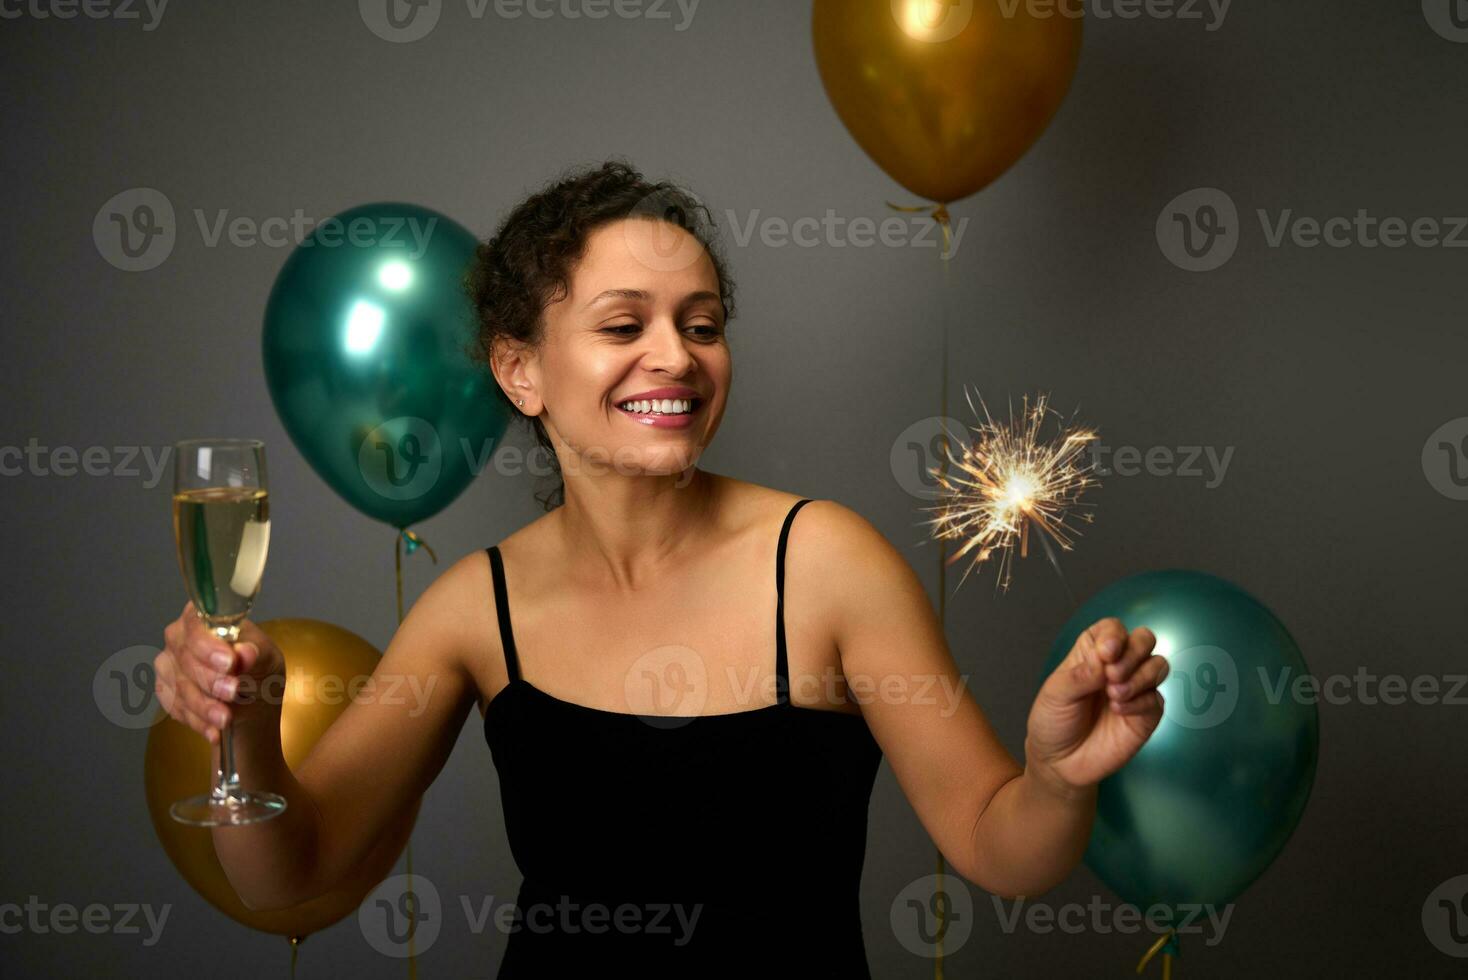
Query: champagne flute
[[221, 524]]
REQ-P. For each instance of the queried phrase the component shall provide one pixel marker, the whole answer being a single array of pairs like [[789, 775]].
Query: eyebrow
[[691, 298]]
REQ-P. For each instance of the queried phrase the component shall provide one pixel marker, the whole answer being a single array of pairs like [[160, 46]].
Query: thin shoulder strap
[[782, 665], [502, 607]]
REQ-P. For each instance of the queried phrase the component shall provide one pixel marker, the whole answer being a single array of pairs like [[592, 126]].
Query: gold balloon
[[945, 95], [177, 765]]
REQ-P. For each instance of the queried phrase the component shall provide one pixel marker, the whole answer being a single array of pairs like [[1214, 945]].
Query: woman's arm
[[372, 763], [1009, 829]]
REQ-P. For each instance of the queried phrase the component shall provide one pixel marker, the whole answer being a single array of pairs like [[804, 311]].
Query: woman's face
[[642, 322]]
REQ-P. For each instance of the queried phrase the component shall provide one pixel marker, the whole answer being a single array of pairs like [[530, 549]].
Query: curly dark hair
[[526, 264]]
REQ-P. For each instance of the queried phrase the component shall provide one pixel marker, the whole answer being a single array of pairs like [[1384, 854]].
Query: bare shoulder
[[824, 531], [843, 563], [831, 532], [468, 586], [457, 605]]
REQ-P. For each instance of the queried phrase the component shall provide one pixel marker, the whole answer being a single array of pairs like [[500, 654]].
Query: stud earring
[[519, 401]]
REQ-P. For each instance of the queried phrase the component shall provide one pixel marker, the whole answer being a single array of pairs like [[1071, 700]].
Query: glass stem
[[226, 777]]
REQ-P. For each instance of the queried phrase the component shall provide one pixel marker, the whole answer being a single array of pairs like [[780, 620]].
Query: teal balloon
[[1212, 797], [366, 346]]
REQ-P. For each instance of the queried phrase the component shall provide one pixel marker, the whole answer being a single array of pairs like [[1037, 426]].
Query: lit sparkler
[[1012, 477]]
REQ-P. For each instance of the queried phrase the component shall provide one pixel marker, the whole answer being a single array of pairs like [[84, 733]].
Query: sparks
[[1009, 478]]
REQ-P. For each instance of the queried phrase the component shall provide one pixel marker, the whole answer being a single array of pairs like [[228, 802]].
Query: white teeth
[[662, 406]]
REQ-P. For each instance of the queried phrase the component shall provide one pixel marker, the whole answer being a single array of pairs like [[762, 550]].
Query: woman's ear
[[511, 363]]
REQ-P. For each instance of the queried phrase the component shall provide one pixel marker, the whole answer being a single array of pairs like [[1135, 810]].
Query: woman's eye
[[625, 329]]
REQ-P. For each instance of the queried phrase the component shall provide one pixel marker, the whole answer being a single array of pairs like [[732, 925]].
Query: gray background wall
[[1324, 370]]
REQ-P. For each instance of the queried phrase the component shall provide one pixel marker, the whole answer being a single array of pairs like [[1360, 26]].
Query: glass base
[[240, 807]]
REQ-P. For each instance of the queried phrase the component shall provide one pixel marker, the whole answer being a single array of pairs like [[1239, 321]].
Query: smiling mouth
[[662, 407]]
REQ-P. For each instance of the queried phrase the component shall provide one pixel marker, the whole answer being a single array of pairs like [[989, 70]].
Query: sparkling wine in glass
[[221, 525]]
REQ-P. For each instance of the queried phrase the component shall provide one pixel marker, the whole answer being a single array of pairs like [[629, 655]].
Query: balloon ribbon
[[939, 214], [1168, 945], [414, 543]]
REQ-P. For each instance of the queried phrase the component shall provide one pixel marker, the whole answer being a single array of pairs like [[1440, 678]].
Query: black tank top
[[688, 846]]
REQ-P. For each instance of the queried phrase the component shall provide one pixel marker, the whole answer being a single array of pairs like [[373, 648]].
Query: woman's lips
[[657, 421]]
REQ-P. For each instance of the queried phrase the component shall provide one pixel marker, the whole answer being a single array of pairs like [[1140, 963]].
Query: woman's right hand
[[245, 687]]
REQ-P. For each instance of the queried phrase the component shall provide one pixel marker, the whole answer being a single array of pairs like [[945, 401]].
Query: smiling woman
[[521, 281], [701, 676]]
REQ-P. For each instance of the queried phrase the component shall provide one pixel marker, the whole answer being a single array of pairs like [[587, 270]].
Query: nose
[[667, 349]]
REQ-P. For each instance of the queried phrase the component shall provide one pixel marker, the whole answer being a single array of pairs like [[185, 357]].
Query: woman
[[688, 706]]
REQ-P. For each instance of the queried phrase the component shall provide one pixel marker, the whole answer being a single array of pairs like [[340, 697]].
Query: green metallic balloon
[[1211, 799], [366, 345]]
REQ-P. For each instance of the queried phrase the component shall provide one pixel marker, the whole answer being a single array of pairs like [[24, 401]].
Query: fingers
[[1107, 656], [182, 699], [1099, 645], [1139, 647], [250, 633], [206, 658], [1145, 678], [1081, 674], [1144, 703], [194, 674]]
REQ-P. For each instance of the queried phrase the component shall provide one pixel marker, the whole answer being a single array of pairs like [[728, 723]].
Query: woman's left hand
[[1098, 708]]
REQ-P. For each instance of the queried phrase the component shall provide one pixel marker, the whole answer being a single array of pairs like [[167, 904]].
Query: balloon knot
[[415, 542], [939, 213]]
